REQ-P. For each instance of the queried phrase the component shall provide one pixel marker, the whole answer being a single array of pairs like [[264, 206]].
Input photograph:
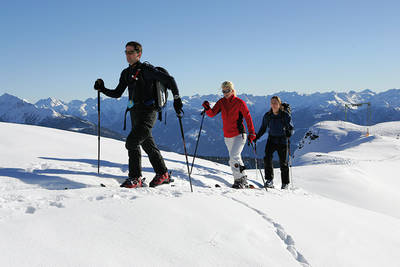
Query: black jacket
[[277, 125], [142, 89]]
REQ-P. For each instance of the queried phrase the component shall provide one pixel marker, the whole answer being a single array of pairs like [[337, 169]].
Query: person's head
[[227, 89], [133, 52], [276, 104]]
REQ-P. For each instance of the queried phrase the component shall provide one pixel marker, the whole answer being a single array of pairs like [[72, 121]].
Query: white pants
[[235, 146]]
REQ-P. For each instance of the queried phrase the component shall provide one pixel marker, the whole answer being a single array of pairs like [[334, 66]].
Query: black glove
[[99, 85], [288, 133], [206, 105], [252, 138], [178, 105]]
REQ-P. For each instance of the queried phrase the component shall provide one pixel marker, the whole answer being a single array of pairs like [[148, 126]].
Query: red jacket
[[233, 110]]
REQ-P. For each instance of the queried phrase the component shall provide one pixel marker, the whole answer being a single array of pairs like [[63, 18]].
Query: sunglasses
[[226, 91], [130, 52]]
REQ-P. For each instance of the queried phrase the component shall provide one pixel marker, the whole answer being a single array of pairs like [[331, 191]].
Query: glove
[[178, 105], [206, 105], [99, 85], [252, 137], [288, 133]]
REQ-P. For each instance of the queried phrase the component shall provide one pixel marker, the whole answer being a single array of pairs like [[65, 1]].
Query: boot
[[269, 184], [240, 183], [285, 186], [160, 179], [132, 183]]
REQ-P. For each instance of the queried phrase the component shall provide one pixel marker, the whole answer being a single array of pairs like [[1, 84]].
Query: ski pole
[[98, 132], [180, 115], [198, 138], [255, 159], [255, 155], [290, 165]]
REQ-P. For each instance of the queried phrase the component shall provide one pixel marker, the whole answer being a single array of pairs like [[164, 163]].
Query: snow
[[345, 164], [316, 224]]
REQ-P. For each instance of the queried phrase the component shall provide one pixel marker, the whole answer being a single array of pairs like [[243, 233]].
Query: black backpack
[[161, 94], [286, 107]]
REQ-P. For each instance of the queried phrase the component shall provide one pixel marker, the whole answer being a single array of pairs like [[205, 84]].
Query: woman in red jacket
[[233, 110]]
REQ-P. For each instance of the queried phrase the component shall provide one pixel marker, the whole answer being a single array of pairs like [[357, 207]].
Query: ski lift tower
[[349, 105]]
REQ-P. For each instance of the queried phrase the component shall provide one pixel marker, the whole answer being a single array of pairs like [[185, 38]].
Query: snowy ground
[[345, 164], [319, 223]]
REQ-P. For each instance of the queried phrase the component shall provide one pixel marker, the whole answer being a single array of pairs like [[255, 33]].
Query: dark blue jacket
[[279, 126]]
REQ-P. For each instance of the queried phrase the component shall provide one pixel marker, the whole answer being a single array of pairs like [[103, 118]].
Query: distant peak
[[7, 97]]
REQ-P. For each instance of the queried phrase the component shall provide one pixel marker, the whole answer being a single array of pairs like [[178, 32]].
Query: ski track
[[30, 205], [280, 231]]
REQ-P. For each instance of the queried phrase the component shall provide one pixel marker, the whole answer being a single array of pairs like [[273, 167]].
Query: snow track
[[87, 225], [286, 238]]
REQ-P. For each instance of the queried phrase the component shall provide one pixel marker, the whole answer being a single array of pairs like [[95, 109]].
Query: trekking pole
[[198, 138], [255, 155], [290, 165], [180, 115], [256, 160], [98, 132]]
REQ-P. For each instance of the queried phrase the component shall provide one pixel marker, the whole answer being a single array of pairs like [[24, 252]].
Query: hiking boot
[[240, 183], [160, 179], [269, 184], [132, 183], [285, 186]]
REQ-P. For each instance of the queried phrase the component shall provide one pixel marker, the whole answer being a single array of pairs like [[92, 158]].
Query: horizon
[[197, 94]]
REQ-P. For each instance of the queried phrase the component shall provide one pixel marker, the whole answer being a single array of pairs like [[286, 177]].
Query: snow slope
[[43, 224], [345, 164]]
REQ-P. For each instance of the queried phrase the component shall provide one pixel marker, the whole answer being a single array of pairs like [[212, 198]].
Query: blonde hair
[[229, 85]]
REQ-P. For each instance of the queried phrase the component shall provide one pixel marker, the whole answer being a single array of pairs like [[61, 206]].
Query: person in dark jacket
[[280, 126], [233, 111], [140, 79]]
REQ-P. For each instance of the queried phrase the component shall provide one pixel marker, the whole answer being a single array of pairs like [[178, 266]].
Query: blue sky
[[59, 48]]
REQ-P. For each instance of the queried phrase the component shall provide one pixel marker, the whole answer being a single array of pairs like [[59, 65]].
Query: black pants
[[143, 120], [282, 150]]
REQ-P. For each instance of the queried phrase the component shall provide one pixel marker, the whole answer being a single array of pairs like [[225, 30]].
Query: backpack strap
[[130, 103], [284, 123], [269, 118]]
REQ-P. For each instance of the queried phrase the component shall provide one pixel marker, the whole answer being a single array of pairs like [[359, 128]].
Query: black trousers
[[143, 120], [282, 150]]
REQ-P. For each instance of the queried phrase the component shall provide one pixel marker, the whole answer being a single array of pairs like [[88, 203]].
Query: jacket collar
[[134, 66], [230, 99]]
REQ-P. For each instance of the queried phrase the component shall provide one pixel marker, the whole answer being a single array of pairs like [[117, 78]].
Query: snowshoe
[[240, 183], [132, 183], [285, 186], [160, 179]]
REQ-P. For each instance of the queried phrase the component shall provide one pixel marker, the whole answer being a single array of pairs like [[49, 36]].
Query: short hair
[[138, 47]]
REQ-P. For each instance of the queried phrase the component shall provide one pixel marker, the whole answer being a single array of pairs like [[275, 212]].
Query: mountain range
[[307, 109]]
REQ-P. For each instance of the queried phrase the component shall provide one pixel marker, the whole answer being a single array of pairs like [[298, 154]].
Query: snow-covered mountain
[[307, 110], [50, 112], [13, 109], [322, 222], [361, 163], [53, 103]]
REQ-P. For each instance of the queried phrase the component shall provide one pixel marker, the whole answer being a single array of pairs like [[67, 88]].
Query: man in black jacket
[[140, 79]]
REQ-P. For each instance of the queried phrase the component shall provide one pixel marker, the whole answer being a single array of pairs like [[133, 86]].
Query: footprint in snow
[[57, 204], [30, 210]]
